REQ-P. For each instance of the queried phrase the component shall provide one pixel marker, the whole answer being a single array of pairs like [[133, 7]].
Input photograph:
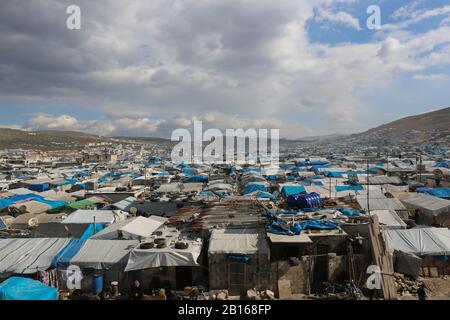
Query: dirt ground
[[436, 288]]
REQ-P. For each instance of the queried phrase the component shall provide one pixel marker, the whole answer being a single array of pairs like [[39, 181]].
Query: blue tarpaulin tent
[[311, 163], [301, 201], [89, 232], [287, 166], [252, 169], [264, 195], [254, 187], [189, 171], [291, 190], [442, 165], [62, 259], [195, 179], [443, 193], [348, 188], [31, 196], [17, 288], [38, 187], [349, 212], [183, 165], [281, 227]]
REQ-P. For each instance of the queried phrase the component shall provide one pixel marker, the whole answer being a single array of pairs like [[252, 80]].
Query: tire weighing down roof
[[131, 229], [171, 254]]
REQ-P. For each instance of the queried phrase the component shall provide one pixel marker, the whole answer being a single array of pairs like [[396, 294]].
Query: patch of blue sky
[[17, 113], [334, 33]]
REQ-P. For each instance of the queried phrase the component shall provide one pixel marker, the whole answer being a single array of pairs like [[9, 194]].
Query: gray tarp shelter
[[380, 203], [389, 219], [421, 241], [26, 256], [104, 254], [425, 203]]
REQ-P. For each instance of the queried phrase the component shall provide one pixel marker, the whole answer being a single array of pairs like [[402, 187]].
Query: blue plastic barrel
[[97, 283]]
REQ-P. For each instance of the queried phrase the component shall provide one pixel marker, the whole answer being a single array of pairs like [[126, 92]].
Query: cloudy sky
[[146, 67]]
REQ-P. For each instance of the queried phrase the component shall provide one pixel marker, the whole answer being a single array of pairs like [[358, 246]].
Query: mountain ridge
[[421, 126]]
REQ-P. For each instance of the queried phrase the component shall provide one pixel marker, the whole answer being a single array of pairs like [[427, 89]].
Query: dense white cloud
[[118, 126], [44, 121], [151, 66]]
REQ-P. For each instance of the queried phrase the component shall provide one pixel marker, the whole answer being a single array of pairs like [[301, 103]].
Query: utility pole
[[330, 185], [368, 185]]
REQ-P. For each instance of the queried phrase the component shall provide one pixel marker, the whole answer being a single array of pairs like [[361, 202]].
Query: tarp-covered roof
[[25, 256], [132, 228], [238, 241], [17, 288], [101, 216], [431, 204], [104, 254], [421, 241], [380, 203]]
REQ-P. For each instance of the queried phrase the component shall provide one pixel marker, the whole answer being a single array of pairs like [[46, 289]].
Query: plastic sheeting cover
[[89, 232], [141, 259], [291, 190], [238, 241], [16, 288], [132, 228], [62, 259], [280, 227], [104, 254], [443, 193]]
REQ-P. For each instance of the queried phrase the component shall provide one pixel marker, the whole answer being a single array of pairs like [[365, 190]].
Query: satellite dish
[[33, 222], [133, 211]]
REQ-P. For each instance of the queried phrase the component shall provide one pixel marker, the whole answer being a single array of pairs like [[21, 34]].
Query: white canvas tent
[[238, 241], [131, 229], [433, 210], [424, 202], [389, 219], [101, 216], [380, 203]]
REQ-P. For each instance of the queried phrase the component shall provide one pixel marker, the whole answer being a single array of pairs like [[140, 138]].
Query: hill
[[431, 127], [425, 122], [45, 140]]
